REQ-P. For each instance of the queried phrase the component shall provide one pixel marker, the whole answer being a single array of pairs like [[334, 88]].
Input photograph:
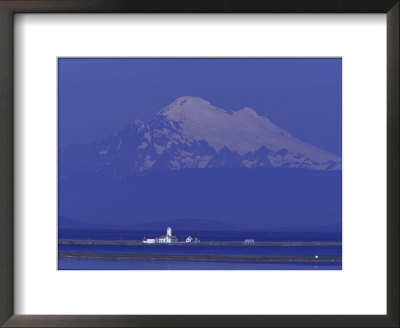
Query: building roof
[[172, 237]]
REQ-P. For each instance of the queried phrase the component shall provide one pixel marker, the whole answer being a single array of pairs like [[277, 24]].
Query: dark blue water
[[203, 235], [221, 250], [110, 264], [95, 264]]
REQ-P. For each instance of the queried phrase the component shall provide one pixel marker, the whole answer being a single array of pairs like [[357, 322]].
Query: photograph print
[[199, 164]]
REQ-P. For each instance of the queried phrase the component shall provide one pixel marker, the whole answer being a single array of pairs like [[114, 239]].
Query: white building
[[249, 241], [149, 240], [168, 238], [192, 239]]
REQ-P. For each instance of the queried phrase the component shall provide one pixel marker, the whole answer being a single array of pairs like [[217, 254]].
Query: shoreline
[[196, 257], [202, 243]]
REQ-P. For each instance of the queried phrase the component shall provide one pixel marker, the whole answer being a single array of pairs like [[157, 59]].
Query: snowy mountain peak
[[187, 107], [190, 100], [248, 111], [242, 131], [193, 133]]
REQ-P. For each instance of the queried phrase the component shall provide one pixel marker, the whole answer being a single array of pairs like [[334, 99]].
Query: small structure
[[149, 240], [192, 239], [249, 241], [168, 238]]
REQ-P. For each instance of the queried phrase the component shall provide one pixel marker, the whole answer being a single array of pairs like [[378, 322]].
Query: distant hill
[[186, 224], [269, 199], [68, 223]]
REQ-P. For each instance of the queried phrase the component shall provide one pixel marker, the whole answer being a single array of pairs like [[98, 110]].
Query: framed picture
[[194, 164]]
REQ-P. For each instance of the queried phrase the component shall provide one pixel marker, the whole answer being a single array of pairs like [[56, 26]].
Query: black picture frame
[[10, 7]]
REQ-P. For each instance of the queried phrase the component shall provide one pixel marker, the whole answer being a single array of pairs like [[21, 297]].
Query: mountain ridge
[[192, 133]]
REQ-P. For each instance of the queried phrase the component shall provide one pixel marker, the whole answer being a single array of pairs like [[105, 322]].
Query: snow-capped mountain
[[192, 133]]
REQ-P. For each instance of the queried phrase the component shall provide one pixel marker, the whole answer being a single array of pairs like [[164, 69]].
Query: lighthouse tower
[[168, 238]]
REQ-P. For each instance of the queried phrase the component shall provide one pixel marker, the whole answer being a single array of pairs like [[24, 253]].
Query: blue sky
[[100, 96]]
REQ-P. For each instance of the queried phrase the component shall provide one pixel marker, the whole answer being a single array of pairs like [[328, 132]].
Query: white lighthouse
[[168, 238]]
